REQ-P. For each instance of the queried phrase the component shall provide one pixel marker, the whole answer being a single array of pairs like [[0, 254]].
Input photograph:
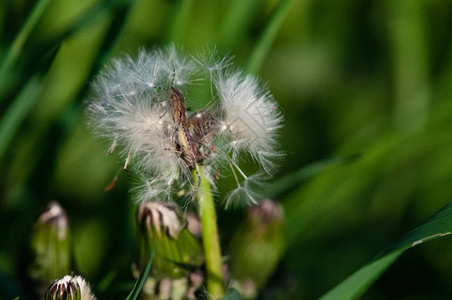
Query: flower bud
[[257, 247], [50, 245], [177, 250], [69, 288]]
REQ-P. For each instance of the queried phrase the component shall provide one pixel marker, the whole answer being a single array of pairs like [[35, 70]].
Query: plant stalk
[[211, 244]]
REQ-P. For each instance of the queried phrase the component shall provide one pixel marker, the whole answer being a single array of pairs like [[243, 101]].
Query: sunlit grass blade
[[16, 47], [438, 225], [267, 37], [288, 182], [142, 279]]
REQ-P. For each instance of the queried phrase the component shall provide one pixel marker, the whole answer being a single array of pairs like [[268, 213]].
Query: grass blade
[[17, 112], [438, 225], [142, 279], [17, 45], [267, 37]]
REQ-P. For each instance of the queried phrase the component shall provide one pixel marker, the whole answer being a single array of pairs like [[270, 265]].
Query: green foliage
[[438, 225], [365, 89], [142, 279]]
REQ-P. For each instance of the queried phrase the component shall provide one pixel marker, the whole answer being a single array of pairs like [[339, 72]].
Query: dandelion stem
[[215, 282]]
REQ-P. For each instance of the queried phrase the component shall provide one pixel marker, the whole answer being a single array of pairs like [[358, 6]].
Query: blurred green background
[[368, 79]]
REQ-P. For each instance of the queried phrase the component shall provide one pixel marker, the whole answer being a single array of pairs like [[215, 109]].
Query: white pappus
[[141, 105]]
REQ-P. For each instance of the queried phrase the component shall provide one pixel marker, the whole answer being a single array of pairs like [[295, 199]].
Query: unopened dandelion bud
[[157, 217], [69, 288], [257, 247], [177, 249], [50, 245]]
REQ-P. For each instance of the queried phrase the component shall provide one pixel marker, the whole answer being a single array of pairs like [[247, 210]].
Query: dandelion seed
[[140, 105]]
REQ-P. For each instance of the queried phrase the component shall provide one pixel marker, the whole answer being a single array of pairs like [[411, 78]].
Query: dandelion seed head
[[139, 104]]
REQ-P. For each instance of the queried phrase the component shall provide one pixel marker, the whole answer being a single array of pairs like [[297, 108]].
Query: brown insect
[[190, 134], [184, 139]]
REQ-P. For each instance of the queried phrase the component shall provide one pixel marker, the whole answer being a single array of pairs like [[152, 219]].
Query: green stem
[[215, 282]]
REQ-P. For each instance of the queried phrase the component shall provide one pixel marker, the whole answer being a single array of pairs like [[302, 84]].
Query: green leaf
[[142, 279], [438, 225]]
